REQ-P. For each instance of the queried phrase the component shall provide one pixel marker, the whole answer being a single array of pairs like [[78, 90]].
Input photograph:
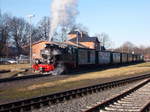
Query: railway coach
[[104, 58]]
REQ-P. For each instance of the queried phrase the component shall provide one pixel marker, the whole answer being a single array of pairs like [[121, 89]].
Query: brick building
[[37, 47], [84, 39], [74, 38]]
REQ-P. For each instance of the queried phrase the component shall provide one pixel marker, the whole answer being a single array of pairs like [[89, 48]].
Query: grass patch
[[14, 66], [115, 72], [75, 81], [8, 75], [15, 94], [147, 64]]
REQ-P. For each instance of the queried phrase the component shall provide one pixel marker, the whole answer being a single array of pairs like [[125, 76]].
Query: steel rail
[[110, 101], [37, 102], [146, 108]]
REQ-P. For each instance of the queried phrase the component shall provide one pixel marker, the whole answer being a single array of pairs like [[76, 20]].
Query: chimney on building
[[75, 34]]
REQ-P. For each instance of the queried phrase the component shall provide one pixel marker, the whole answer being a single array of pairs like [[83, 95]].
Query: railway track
[[52, 99], [136, 99]]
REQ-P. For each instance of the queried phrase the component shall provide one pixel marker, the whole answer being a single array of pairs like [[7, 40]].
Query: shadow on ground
[[89, 69]]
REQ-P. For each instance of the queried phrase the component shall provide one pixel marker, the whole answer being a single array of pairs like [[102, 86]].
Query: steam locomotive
[[59, 57]]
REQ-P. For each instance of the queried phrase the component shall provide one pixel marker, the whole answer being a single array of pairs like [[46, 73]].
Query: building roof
[[61, 43], [85, 39], [37, 42], [75, 44], [70, 44], [73, 32], [79, 33], [40, 42]]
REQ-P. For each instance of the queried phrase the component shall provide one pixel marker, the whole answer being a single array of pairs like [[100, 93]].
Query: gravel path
[[77, 105]]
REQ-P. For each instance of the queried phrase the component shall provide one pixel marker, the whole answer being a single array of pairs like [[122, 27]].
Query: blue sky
[[122, 20]]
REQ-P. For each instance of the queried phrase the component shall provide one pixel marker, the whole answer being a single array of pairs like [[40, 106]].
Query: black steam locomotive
[[60, 57]]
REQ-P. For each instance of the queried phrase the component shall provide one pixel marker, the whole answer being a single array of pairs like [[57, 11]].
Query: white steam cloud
[[63, 12]]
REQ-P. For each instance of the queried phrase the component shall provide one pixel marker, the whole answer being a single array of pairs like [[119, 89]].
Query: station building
[[75, 38]]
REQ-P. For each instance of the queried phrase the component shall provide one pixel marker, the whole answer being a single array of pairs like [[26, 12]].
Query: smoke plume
[[63, 12]]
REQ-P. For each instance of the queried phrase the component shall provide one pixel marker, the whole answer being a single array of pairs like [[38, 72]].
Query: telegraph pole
[[30, 18]]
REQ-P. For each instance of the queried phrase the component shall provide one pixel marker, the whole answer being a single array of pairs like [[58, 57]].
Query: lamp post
[[30, 18]]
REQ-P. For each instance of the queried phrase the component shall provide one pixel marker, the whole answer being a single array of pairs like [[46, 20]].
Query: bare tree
[[44, 28], [128, 47], [36, 35], [4, 33], [20, 33], [104, 40], [61, 34], [147, 53]]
